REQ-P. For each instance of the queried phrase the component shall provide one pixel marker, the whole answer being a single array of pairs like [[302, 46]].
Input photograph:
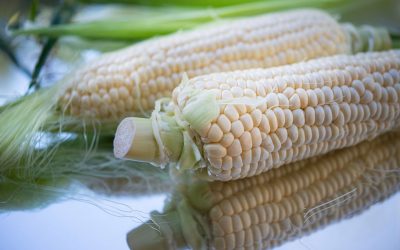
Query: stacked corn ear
[[280, 205], [129, 81], [243, 123]]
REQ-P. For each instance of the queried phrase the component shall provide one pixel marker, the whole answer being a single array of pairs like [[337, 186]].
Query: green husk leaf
[[105, 29], [141, 27], [190, 222], [190, 154], [171, 136], [19, 124], [32, 144], [200, 110]]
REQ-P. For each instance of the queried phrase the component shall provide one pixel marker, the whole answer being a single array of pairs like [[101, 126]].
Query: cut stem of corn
[[147, 149], [242, 123], [277, 206]]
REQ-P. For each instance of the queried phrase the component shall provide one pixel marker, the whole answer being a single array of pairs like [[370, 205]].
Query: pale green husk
[[174, 129], [33, 142], [33, 146], [20, 123]]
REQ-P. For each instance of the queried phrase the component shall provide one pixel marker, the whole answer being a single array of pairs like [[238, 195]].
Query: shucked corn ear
[[129, 81], [243, 123], [277, 206]]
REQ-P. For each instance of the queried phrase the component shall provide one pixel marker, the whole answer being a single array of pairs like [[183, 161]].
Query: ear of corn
[[277, 206], [247, 122]]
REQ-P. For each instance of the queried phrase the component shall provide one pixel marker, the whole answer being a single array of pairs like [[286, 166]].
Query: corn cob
[[277, 206], [247, 122], [129, 81]]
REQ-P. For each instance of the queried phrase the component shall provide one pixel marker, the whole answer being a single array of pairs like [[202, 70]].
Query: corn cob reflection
[[280, 205]]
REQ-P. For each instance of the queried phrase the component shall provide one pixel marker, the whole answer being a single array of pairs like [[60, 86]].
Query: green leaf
[[133, 27]]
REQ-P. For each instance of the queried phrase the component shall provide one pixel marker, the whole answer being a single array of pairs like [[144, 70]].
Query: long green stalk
[[141, 27], [111, 29], [192, 3]]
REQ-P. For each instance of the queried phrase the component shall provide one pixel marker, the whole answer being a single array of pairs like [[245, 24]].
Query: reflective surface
[[343, 200], [278, 206], [74, 224]]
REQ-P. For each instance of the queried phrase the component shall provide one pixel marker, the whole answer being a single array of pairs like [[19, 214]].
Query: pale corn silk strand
[[285, 203], [48, 151], [31, 135], [16, 195], [156, 124]]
